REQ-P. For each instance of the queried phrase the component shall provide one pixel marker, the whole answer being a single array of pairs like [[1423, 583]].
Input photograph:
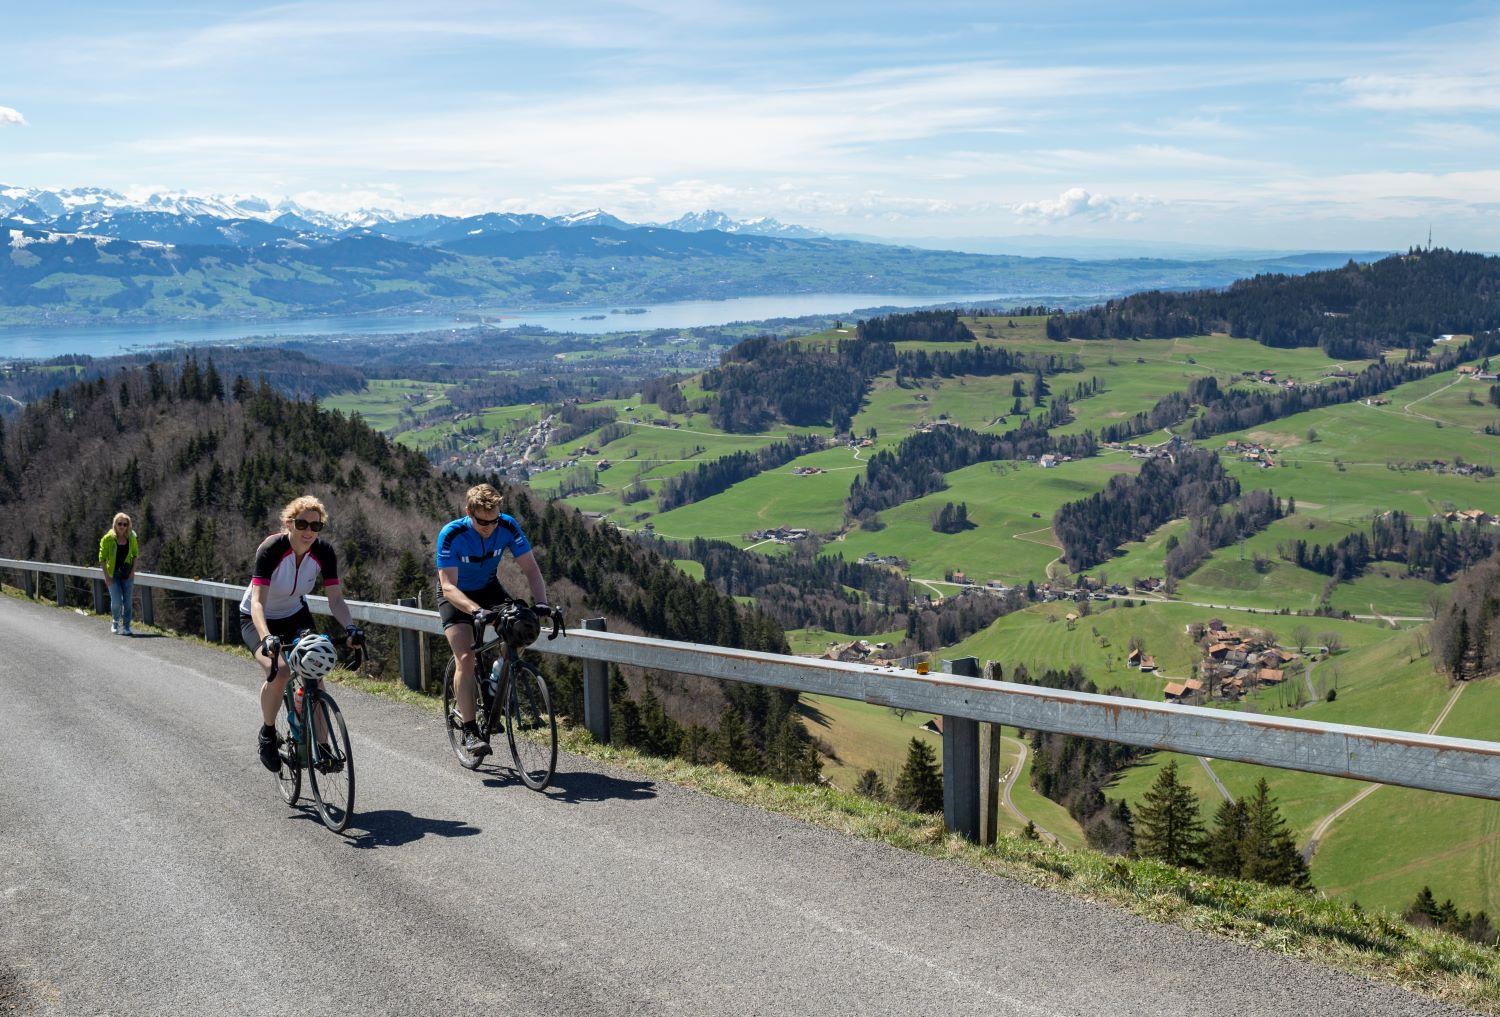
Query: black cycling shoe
[[473, 744], [269, 756]]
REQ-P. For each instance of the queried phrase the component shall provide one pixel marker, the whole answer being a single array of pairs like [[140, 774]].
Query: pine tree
[[1222, 853], [731, 744], [871, 786], [1167, 825], [409, 579], [1423, 910], [660, 734], [920, 785], [1268, 851]]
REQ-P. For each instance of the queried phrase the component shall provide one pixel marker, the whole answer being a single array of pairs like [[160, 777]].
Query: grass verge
[[1373, 944]]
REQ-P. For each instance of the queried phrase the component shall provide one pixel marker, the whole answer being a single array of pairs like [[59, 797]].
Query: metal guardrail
[[972, 707]]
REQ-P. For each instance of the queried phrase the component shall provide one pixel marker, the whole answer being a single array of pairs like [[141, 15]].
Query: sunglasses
[[315, 525], [481, 521]]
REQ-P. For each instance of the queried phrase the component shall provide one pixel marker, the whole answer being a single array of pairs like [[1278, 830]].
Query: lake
[[32, 342]]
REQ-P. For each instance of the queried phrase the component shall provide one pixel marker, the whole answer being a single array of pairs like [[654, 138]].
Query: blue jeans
[[119, 599]]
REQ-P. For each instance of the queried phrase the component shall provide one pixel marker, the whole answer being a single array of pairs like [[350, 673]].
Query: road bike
[[313, 739], [508, 684]]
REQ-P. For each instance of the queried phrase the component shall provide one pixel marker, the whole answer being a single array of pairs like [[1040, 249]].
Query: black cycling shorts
[[490, 595], [284, 628]]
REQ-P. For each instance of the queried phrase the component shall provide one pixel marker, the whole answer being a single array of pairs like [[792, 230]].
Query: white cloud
[[11, 117], [1077, 203], [1478, 91]]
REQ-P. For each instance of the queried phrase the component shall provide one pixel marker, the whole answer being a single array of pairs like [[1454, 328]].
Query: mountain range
[[92, 255], [247, 221]]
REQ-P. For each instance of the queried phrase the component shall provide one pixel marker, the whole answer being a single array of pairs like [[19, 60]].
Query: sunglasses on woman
[[316, 525]]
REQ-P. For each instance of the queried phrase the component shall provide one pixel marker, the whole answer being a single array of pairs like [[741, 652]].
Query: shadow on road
[[572, 788], [393, 828]]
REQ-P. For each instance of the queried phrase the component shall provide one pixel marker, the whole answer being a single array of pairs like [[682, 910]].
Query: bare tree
[[1301, 635], [1332, 640]]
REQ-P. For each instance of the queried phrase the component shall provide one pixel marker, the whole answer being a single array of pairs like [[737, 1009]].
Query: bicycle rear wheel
[[451, 721], [289, 777], [531, 727], [330, 773]]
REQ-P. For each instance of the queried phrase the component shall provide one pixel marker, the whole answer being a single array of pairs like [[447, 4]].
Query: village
[[1232, 664]]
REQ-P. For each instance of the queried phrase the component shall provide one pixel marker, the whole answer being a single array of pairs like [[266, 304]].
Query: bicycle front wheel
[[531, 727], [289, 776], [330, 770], [451, 721]]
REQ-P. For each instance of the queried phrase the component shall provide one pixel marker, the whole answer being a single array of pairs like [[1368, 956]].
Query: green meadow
[[386, 402]]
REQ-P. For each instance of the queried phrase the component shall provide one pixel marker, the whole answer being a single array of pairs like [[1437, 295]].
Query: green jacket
[[107, 547]]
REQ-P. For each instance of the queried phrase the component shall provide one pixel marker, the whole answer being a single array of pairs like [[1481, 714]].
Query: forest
[[923, 326], [1190, 483], [1436, 551]]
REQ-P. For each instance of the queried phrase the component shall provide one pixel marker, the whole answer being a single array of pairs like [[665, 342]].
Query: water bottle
[[294, 720], [492, 683]]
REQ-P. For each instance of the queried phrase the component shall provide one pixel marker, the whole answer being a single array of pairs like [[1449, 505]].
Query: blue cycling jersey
[[459, 546]]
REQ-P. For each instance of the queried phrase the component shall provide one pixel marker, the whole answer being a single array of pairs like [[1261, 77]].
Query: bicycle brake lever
[[557, 625]]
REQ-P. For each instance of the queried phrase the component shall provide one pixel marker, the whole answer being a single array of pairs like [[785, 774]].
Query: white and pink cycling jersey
[[277, 567]]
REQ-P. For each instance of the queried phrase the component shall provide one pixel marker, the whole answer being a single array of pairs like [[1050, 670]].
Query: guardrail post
[[596, 690], [97, 586], [29, 582], [961, 787], [210, 619], [989, 783], [411, 658], [60, 588], [148, 606]]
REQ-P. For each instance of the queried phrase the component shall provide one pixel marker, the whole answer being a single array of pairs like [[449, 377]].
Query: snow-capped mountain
[[593, 217], [763, 226], [35, 204], [243, 220]]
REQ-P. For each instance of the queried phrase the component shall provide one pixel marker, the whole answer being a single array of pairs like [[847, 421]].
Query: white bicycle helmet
[[313, 658]]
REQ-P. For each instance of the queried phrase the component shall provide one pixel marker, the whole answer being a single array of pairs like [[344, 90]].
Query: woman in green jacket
[[117, 553]]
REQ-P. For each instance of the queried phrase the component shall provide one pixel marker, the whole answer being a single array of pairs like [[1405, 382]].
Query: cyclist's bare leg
[[461, 641], [270, 692]]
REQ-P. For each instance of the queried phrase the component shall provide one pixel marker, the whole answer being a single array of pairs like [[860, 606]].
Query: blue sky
[[1270, 125]]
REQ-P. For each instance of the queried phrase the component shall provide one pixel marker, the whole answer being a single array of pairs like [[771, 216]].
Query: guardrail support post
[[148, 606], [210, 619], [411, 660], [60, 588], [97, 586], [596, 690], [989, 783], [961, 787], [29, 582]]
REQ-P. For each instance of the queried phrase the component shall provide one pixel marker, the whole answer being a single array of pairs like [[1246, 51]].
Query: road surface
[[148, 867]]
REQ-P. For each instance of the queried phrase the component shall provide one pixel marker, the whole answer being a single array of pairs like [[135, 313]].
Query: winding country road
[[147, 866], [1008, 781]]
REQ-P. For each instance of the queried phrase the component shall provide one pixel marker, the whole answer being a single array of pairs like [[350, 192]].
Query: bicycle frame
[[308, 751], [508, 659]]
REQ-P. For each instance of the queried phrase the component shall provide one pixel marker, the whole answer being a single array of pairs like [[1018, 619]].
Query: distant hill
[[1351, 311]]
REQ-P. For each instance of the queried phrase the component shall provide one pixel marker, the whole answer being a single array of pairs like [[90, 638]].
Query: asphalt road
[[147, 866]]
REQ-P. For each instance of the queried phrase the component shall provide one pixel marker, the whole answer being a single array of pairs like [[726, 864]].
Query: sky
[[1267, 125]]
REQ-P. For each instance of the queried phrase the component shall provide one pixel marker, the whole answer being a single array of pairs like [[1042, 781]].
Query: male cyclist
[[468, 557]]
